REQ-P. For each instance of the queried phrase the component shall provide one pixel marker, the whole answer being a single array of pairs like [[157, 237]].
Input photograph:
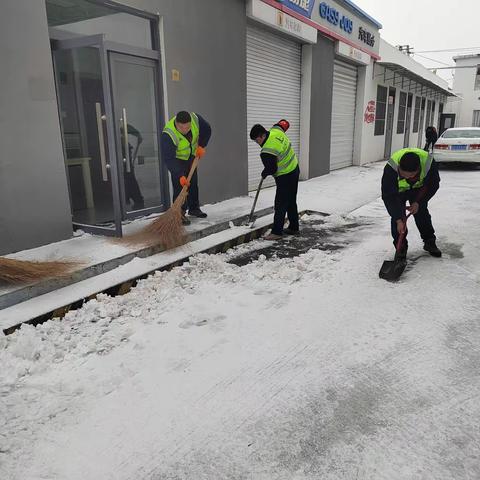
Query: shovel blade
[[392, 269]]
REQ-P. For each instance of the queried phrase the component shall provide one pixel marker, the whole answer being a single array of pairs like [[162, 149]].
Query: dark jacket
[[269, 161], [169, 150], [431, 134], [395, 201]]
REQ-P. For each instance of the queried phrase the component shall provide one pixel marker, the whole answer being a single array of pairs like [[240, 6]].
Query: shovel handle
[[255, 200], [193, 168], [401, 238]]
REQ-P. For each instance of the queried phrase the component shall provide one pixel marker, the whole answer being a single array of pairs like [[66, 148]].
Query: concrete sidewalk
[[340, 192]]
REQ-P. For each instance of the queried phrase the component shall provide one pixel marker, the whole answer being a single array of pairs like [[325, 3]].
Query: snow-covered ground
[[299, 368]]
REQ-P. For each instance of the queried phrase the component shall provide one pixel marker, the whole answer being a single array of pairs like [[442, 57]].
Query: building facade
[[465, 108], [400, 99], [90, 84]]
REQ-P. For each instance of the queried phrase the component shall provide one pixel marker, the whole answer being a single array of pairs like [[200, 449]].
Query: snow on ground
[[297, 368], [317, 193]]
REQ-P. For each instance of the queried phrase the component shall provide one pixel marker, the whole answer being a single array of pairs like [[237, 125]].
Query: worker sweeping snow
[[184, 137], [279, 159]]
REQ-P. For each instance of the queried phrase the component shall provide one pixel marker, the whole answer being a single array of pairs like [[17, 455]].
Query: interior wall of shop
[[206, 42], [34, 201], [323, 55]]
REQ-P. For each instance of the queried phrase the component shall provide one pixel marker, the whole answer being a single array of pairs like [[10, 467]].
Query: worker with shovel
[[280, 160], [410, 174], [185, 137]]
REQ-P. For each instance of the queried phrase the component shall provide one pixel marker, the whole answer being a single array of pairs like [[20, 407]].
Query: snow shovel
[[392, 269], [251, 217]]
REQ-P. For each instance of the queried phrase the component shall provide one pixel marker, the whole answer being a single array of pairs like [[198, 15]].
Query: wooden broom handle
[[193, 168]]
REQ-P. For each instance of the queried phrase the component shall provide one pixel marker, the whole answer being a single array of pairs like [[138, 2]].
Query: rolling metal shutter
[[343, 115], [273, 91]]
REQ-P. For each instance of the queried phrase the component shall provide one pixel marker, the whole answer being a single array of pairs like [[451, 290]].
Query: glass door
[[135, 91], [88, 133]]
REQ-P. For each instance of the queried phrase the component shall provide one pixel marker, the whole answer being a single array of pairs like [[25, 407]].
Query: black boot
[[431, 247], [196, 212]]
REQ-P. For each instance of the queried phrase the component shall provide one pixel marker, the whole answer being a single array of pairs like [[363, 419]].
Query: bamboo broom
[[166, 230], [13, 271]]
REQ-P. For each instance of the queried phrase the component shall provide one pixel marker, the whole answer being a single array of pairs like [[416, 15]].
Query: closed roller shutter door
[[343, 115], [273, 91]]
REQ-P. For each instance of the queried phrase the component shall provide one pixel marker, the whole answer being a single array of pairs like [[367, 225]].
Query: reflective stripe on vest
[[425, 164], [185, 149], [279, 145]]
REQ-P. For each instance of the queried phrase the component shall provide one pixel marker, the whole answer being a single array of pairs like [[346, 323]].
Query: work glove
[[184, 181], [200, 152]]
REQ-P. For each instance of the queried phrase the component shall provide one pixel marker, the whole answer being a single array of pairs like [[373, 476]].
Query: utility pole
[[406, 49]]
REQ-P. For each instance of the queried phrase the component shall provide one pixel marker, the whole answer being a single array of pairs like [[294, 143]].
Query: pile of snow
[[105, 323]]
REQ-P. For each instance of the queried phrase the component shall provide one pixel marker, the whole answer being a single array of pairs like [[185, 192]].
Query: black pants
[[286, 201], [429, 145], [179, 169], [422, 218]]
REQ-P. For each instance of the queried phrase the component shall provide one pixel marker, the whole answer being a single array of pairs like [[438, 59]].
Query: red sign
[[369, 116]]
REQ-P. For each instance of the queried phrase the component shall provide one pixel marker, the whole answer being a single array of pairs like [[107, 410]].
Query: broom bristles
[[166, 230], [24, 271]]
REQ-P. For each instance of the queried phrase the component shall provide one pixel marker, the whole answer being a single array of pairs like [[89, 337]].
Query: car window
[[461, 134]]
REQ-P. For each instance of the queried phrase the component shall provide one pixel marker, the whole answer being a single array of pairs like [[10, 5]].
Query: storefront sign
[[366, 37], [279, 20], [352, 53], [303, 7], [333, 16], [289, 23]]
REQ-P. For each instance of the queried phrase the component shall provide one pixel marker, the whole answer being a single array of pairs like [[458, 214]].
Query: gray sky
[[428, 25]]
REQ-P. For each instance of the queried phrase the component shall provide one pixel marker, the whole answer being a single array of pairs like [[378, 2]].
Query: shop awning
[[401, 71]]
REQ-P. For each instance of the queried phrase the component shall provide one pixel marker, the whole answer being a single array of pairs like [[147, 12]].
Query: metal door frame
[[146, 58], [390, 109], [408, 120], [99, 42], [106, 48], [421, 124]]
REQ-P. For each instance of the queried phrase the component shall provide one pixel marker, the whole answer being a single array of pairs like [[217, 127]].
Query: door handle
[[101, 141], [125, 140]]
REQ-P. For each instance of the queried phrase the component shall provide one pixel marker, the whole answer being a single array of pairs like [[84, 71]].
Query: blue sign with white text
[[303, 7], [333, 16]]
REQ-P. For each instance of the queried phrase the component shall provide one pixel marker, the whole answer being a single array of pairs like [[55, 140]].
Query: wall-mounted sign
[[338, 19], [369, 115], [289, 23], [303, 7], [366, 37], [333, 16], [352, 53], [264, 13]]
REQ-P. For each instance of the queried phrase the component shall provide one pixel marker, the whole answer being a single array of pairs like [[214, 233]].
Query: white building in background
[[398, 99], [466, 85]]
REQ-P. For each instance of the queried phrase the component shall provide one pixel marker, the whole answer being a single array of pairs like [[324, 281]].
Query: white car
[[458, 145]]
